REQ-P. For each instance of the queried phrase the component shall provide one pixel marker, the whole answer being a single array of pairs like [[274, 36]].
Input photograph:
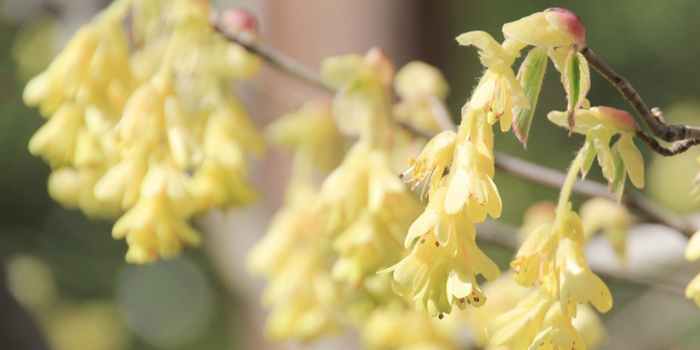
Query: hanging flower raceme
[[459, 169], [365, 208], [140, 121], [552, 260], [301, 293]]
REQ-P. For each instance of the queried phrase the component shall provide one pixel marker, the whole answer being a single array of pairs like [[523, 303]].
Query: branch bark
[[681, 136], [515, 166]]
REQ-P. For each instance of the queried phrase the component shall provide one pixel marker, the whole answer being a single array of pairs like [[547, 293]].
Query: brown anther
[[461, 300], [440, 316], [437, 244], [476, 299], [422, 240]]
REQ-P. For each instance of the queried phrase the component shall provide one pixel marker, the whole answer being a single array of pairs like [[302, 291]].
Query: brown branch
[[683, 136], [514, 166], [284, 63], [587, 188]]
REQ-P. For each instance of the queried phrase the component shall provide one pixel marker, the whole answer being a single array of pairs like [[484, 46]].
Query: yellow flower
[[471, 184], [521, 325], [442, 273], [433, 160], [577, 283], [498, 89], [396, 328], [154, 100], [693, 290], [613, 219]]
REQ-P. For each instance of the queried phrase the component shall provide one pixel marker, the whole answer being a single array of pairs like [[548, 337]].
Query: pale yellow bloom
[[122, 105], [614, 220]]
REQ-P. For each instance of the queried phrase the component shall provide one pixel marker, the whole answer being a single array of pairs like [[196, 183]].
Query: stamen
[[408, 171]]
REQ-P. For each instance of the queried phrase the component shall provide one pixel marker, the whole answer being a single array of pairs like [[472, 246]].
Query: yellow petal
[[634, 162]]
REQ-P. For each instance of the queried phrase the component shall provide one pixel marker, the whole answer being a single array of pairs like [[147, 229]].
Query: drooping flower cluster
[[552, 260], [324, 248], [302, 295], [142, 122], [459, 168], [623, 160]]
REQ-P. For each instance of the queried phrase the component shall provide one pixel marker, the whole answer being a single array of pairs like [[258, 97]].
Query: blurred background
[[65, 285]]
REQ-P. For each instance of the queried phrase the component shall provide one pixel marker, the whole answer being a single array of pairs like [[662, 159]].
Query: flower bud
[[553, 27], [239, 20], [615, 120]]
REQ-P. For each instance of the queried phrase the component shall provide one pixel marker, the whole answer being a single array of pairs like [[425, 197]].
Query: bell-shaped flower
[[552, 27], [498, 89], [599, 124], [442, 267], [531, 263], [693, 290], [614, 220], [577, 283], [435, 158], [520, 325], [471, 186], [422, 89]]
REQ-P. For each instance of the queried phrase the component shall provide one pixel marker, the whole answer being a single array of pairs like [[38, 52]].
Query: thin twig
[[494, 232], [272, 56], [587, 188], [515, 166], [682, 136]]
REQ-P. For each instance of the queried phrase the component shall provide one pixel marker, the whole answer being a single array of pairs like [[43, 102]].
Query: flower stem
[[571, 175]]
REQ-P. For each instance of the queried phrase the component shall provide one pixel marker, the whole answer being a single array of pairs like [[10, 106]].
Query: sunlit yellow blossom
[[433, 160], [693, 290], [614, 220], [393, 328], [498, 89], [143, 89], [442, 267], [520, 326], [577, 283], [471, 184], [599, 124]]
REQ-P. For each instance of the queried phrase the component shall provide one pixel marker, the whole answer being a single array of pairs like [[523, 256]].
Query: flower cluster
[[142, 122], [459, 169], [302, 294], [324, 248], [552, 259], [623, 160]]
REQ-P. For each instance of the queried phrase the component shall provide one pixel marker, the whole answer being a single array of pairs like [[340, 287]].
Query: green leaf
[[530, 76], [617, 186], [588, 158], [577, 82]]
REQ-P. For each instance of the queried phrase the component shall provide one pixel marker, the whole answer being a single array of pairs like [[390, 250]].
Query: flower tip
[[621, 119], [381, 62], [239, 20], [569, 23]]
